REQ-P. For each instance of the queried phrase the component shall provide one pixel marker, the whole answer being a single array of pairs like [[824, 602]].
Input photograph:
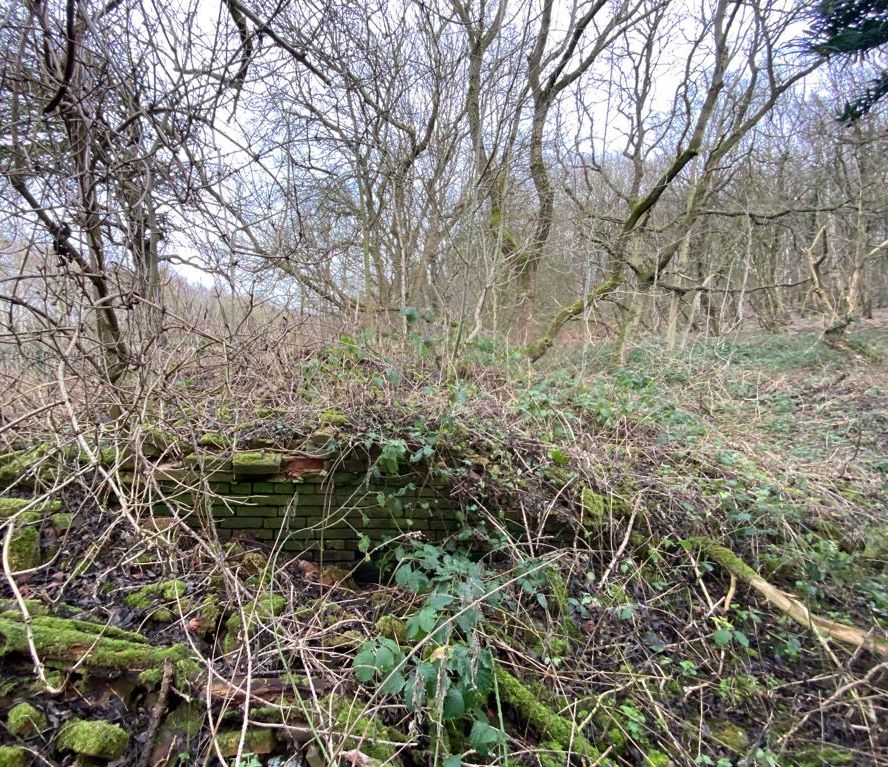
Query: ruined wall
[[326, 508]]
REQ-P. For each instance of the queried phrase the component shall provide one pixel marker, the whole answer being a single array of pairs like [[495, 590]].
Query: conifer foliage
[[854, 28]]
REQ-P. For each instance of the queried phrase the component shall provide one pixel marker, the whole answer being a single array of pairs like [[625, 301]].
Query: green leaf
[[453, 761], [422, 623], [365, 663], [741, 638], [483, 737], [722, 637], [454, 706], [394, 683], [438, 601]]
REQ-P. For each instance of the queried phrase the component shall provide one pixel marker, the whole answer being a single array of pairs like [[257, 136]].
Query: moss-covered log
[[91, 645], [840, 632], [558, 731]]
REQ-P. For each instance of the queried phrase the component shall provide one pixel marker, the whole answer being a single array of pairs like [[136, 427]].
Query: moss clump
[[392, 627], [61, 522], [266, 606], [594, 514], [256, 741], [256, 462], [731, 736], [94, 738], [13, 756], [208, 614], [25, 721], [24, 546], [145, 598], [15, 466], [156, 441], [364, 729], [725, 557], [11, 506], [93, 645], [554, 727], [822, 756], [214, 441], [333, 417]]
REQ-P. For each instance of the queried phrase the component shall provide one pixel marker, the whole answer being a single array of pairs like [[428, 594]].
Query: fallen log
[[789, 605]]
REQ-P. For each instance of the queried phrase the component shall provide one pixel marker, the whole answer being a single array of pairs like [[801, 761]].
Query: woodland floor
[[635, 646]]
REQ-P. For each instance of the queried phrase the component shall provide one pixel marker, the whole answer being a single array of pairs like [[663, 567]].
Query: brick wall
[[322, 508]]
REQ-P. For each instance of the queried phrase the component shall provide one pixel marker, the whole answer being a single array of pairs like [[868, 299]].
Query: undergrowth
[[596, 631]]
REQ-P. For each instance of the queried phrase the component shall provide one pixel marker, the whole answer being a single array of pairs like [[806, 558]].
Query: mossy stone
[[256, 741], [256, 462], [94, 738], [392, 627], [61, 522], [822, 756], [333, 417], [15, 465], [65, 639], [10, 506], [544, 720], [24, 545], [366, 732], [214, 440], [25, 721], [730, 736], [13, 756], [594, 514], [169, 591]]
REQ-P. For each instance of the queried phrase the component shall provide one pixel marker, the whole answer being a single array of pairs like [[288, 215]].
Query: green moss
[[24, 546], [558, 587], [731, 736], [16, 465], [148, 596], [256, 462], [822, 756], [187, 719], [392, 627], [25, 721], [94, 738], [657, 759], [256, 741], [364, 729], [62, 521], [11, 506], [209, 613], [333, 417], [93, 645], [724, 557], [9, 608], [14, 756], [542, 719], [214, 440], [594, 514], [156, 441], [266, 606]]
